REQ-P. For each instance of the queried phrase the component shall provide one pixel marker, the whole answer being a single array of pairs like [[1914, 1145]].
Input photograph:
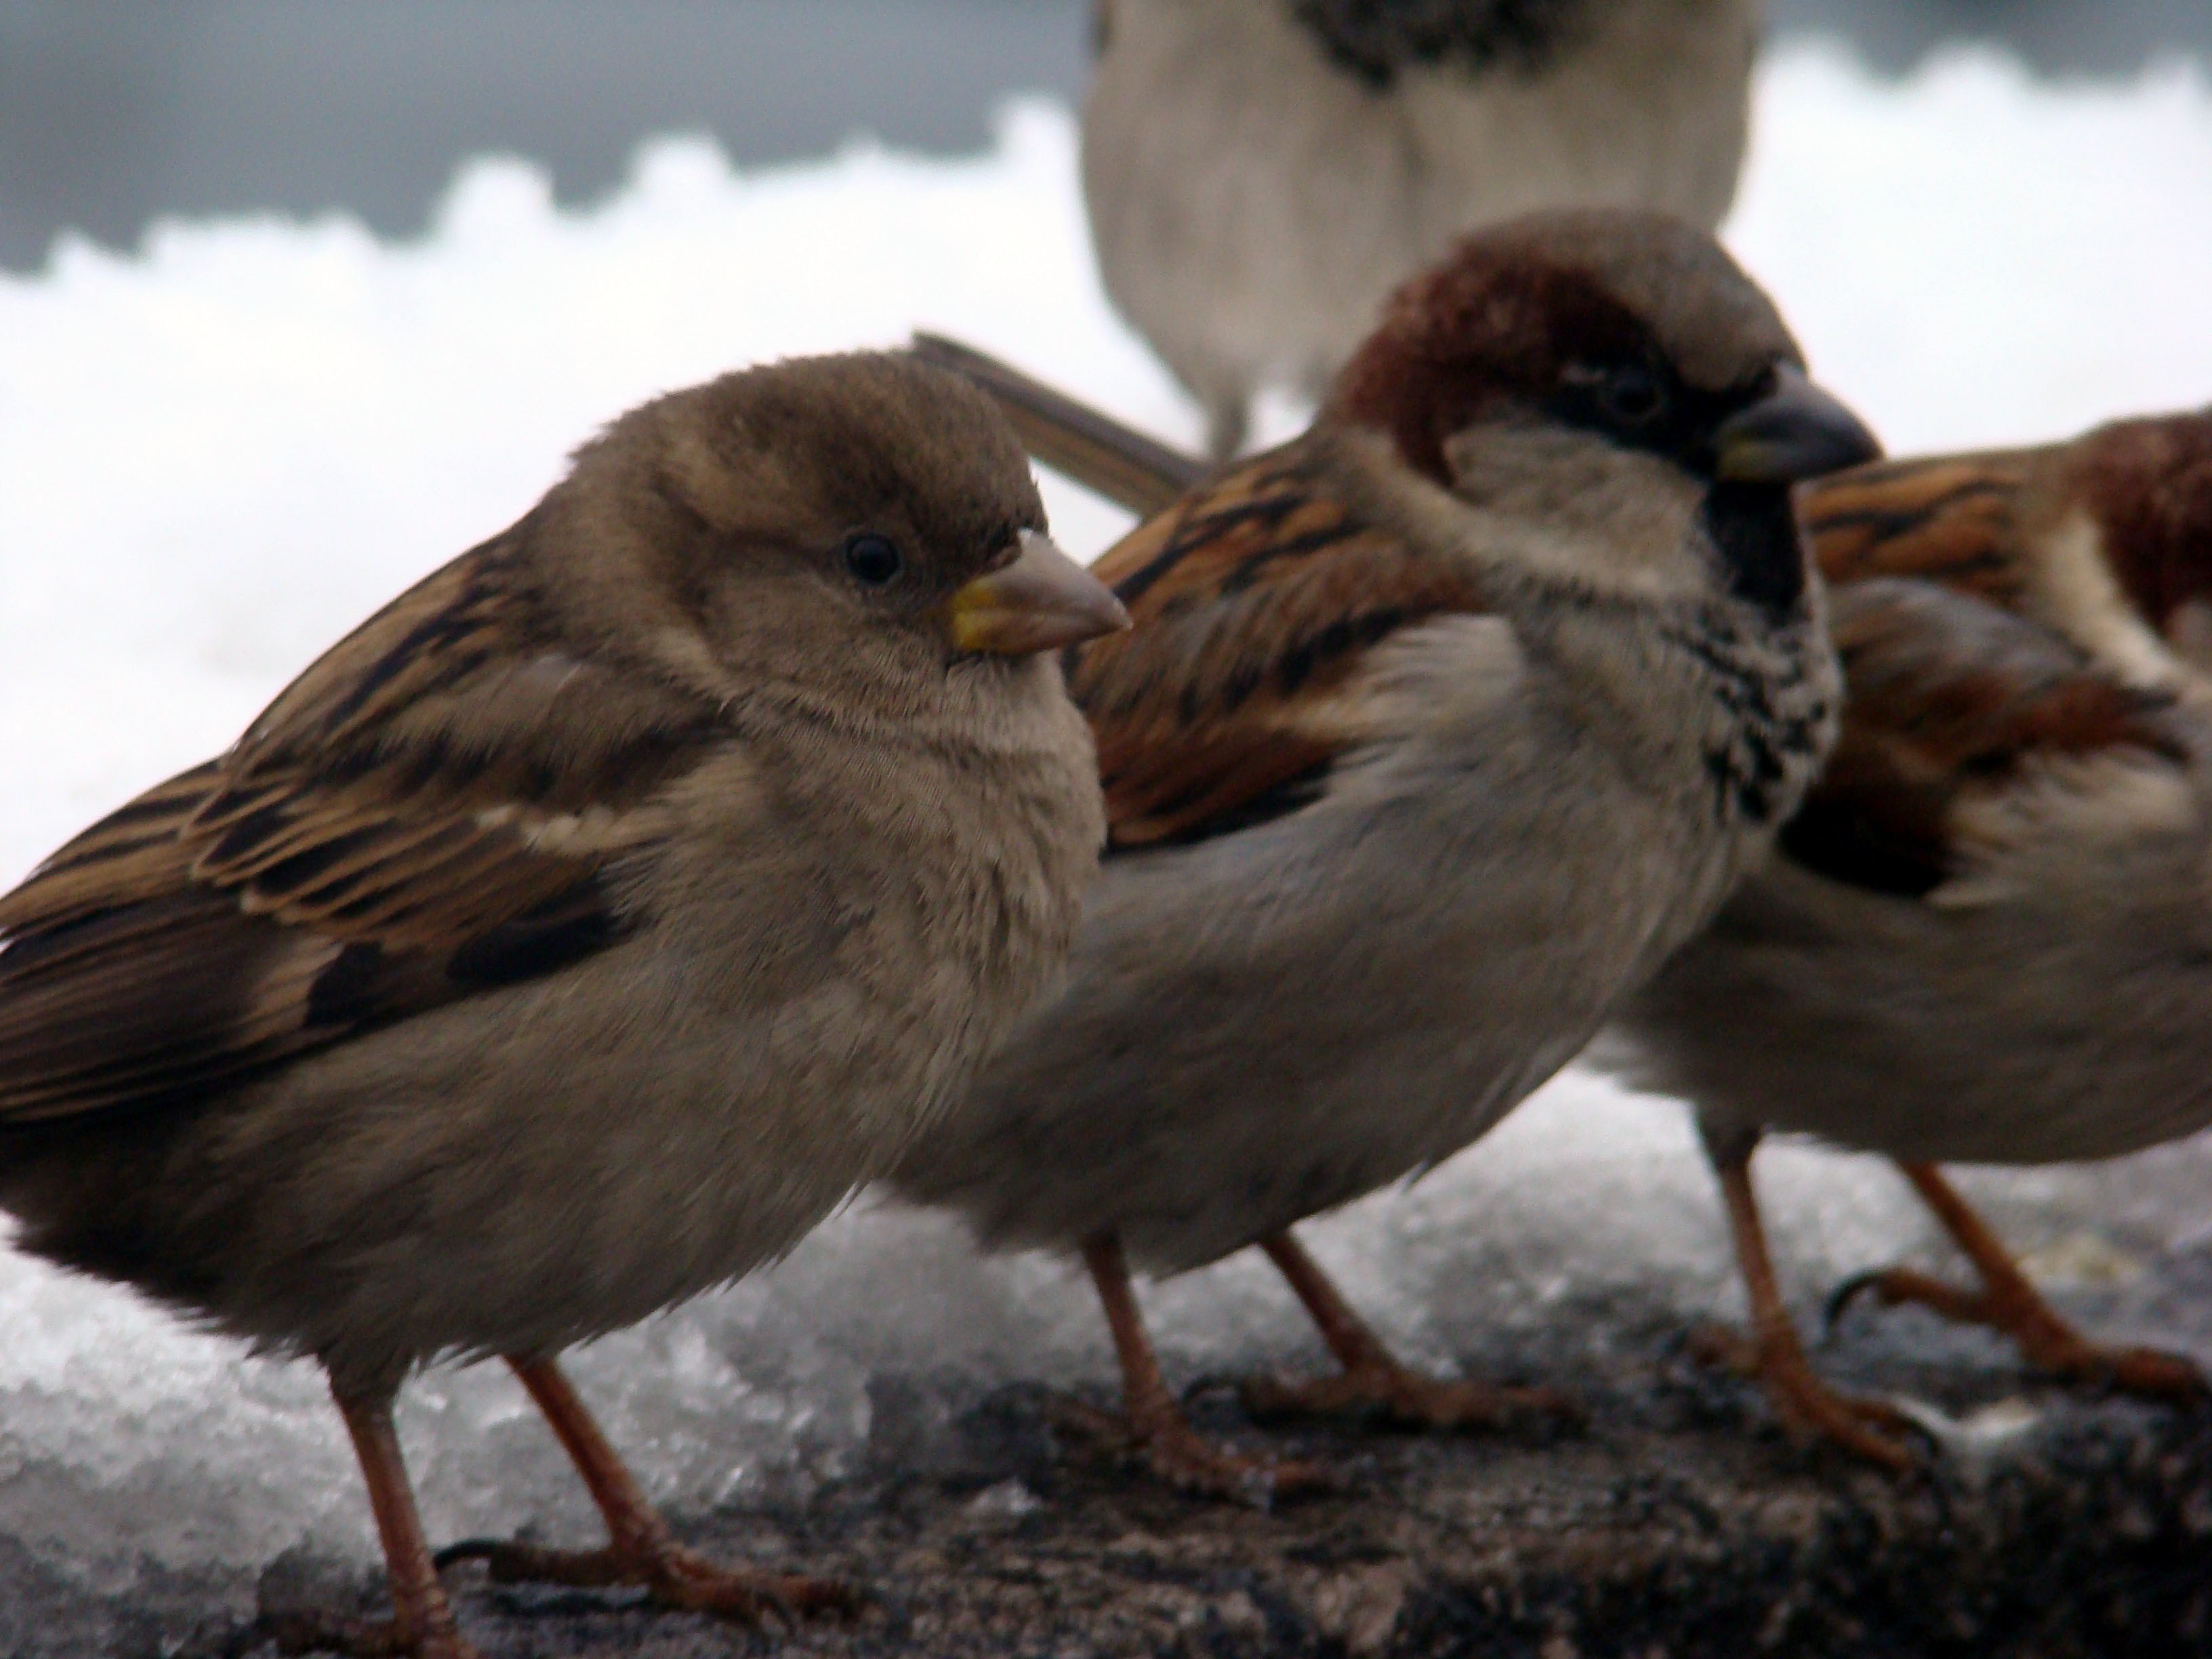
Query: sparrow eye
[[1631, 394], [871, 560]]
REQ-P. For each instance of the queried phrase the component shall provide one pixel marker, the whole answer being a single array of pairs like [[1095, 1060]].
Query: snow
[[218, 453]]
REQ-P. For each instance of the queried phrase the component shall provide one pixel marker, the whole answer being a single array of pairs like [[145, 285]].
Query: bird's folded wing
[[1965, 725], [1951, 520], [442, 804], [1258, 601]]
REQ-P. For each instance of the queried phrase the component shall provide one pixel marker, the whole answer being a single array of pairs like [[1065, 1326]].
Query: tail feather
[[1096, 451]]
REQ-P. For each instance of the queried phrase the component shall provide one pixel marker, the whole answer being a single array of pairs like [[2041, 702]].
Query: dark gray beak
[[1795, 431]]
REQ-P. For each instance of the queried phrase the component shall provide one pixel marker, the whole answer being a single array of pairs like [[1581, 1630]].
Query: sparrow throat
[[1753, 527]]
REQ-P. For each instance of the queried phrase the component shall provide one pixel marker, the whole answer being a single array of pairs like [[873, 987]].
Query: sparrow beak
[[1795, 431], [1040, 602]]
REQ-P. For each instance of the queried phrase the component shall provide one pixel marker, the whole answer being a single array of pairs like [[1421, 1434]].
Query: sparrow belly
[[1994, 1033], [509, 1181], [1256, 1029]]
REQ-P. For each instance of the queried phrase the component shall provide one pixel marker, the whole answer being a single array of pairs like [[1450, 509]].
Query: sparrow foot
[[309, 1632], [672, 1575], [1807, 1407], [1175, 1451], [1399, 1396], [2046, 1341]]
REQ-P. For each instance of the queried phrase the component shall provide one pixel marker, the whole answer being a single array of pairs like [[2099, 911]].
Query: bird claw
[[1807, 1407], [1401, 1398], [672, 1576], [2046, 1341], [1188, 1464], [1840, 1299], [1176, 1453], [307, 1632]]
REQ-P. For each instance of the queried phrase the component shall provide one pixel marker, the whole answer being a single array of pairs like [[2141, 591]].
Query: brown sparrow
[[577, 934], [1987, 938], [1436, 731], [1260, 174], [2005, 617]]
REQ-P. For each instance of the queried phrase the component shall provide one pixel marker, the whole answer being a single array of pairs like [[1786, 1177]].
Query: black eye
[[1631, 394], [872, 559]]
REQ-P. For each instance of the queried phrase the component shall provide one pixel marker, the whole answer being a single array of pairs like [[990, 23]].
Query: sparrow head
[[1615, 379], [850, 529], [2145, 488]]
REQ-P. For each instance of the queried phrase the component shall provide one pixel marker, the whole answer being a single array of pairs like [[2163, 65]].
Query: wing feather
[[435, 807], [1257, 601], [1953, 704], [1952, 519]]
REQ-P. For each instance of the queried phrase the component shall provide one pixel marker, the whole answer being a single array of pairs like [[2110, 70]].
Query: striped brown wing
[[1951, 700], [1952, 519], [1255, 601], [437, 806]]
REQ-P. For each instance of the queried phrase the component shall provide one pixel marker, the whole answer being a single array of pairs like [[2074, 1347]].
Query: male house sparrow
[[1435, 731], [574, 934], [2008, 619], [1260, 174], [1986, 938]]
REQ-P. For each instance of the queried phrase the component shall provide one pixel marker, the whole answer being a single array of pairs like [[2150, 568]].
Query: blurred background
[[116, 112]]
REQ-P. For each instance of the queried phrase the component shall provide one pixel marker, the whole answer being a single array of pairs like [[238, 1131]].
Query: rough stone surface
[[1675, 1522]]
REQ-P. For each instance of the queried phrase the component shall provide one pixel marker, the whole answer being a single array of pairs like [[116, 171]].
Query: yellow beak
[[1040, 602]]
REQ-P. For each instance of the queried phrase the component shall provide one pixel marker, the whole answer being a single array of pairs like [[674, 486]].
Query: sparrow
[[1260, 175], [1435, 731], [2004, 616], [573, 935], [1985, 937]]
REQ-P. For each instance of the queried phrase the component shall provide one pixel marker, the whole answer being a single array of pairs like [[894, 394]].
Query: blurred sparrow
[[1989, 938], [1437, 729], [1260, 174], [571, 937]]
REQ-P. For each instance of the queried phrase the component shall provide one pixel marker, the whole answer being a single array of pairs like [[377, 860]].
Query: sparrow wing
[[1960, 718], [1952, 519], [1257, 601], [440, 804]]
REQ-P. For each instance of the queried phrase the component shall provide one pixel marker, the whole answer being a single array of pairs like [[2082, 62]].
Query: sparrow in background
[[1437, 729], [1260, 174], [2025, 634], [1988, 938], [571, 938]]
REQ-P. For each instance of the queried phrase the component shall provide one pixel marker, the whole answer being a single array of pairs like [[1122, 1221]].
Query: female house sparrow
[[1260, 174], [1436, 730], [571, 938], [1986, 938]]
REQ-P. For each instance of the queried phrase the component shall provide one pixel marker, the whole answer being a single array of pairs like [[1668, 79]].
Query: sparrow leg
[[1804, 1402], [1374, 1383], [421, 1626], [2008, 1302], [640, 1549], [1174, 1450]]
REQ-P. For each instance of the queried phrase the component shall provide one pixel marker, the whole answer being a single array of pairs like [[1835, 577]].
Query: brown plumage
[[572, 936], [1980, 942], [1983, 942], [1951, 700], [1257, 600], [1435, 729]]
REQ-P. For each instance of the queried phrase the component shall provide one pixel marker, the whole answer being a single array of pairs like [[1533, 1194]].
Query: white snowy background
[[221, 451]]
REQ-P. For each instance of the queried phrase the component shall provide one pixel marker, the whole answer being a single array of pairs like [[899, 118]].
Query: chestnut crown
[[1632, 325]]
